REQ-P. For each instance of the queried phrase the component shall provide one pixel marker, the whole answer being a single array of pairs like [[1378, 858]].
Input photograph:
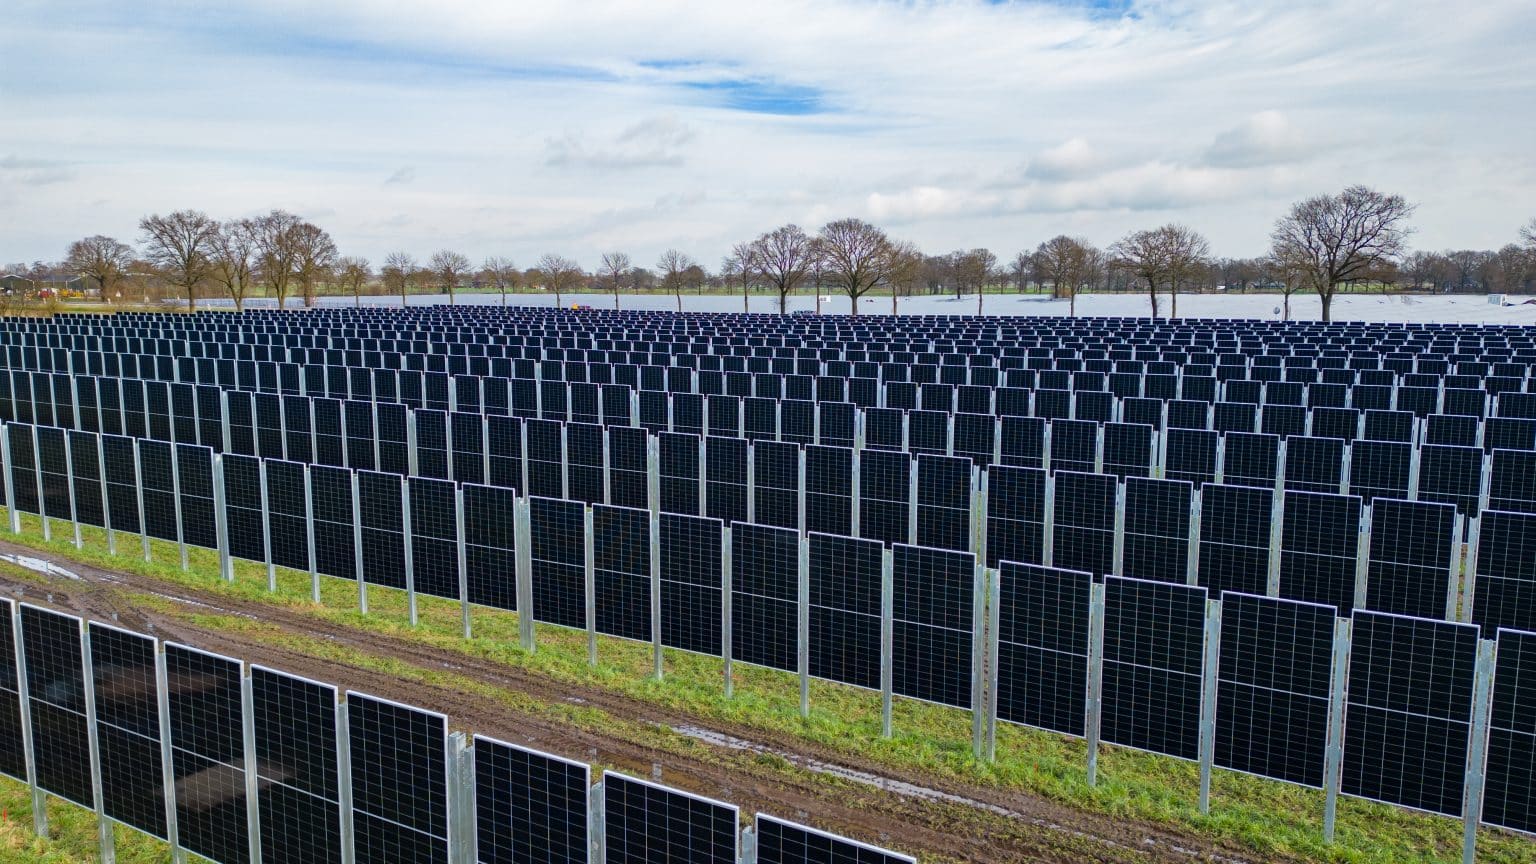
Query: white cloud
[[579, 128]]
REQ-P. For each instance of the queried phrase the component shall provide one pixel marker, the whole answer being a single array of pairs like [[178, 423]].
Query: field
[[468, 504]]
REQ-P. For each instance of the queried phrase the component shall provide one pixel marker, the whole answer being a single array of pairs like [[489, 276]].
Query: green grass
[[71, 834], [1267, 817]]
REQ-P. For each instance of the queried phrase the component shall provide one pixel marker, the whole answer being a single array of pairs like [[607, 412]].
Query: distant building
[[17, 284]]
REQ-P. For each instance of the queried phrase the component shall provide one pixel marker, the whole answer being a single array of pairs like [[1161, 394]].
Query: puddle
[[38, 565]]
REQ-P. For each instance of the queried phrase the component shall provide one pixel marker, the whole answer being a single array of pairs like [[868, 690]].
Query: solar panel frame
[[782, 842], [1510, 770], [530, 806], [703, 832], [297, 758], [399, 781], [207, 739], [933, 624], [1162, 678], [1043, 647], [127, 727]]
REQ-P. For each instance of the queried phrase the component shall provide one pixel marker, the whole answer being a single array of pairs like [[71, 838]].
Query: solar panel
[[780, 842], [680, 473], [1380, 469], [1157, 529], [331, 495], [286, 514], [829, 490], [725, 479], [765, 586], [1074, 445], [1042, 654], [122, 483], [53, 471], [621, 551], [1451, 475], [490, 564], [86, 478], [1510, 485], [1273, 687], [399, 781], [691, 583], [1016, 510], [50, 643], [885, 496], [1410, 707], [1235, 533], [1127, 449], [127, 727], [1414, 550], [1319, 553], [194, 475], [1314, 464], [296, 758], [13, 759], [776, 484], [1154, 639], [545, 462], [1191, 455], [845, 589], [1083, 531], [381, 514], [944, 502], [1511, 766], [530, 806], [932, 624], [208, 753], [1250, 459], [557, 531], [1505, 573], [644, 823]]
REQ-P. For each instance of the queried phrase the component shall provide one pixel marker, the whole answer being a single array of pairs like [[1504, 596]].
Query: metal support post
[[42, 500], [221, 520], [589, 585], [887, 639], [596, 829], [344, 782], [266, 531], [357, 548], [1208, 700], [655, 568], [410, 558], [911, 500], [74, 513], [853, 500], [994, 612], [1453, 582], [28, 745], [1048, 538], [167, 760], [1467, 568], [1333, 754], [523, 555], [309, 534], [252, 781], [726, 636], [1095, 679], [1472, 811], [978, 651], [803, 628], [465, 623], [1118, 543], [1362, 557], [1192, 568], [1276, 540]]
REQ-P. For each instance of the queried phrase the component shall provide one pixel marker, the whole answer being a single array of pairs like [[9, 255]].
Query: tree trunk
[[615, 298], [1152, 285], [1072, 304], [191, 299], [503, 296], [893, 300], [1325, 296], [980, 293], [450, 295], [783, 302], [853, 302], [1285, 305], [1173, 299]]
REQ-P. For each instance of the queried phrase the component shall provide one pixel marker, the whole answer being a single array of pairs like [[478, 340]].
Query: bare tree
[[449, 268], [559, 273], [181, 246], [234, 259], [314, 254], [1143, 255], [672, 266], [1187, 253], [783, 256], [276, 252], [1528, 234], [100, 258], [908, 271], [973, 269], [744, 262], [1021, 266], [354, 273], [614, 272], [1070, 263], [1290, 275], [501, 273], [1339, 239], [855, 256], [398, 267]]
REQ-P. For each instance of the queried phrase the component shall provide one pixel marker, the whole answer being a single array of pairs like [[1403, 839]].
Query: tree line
[[1321, 245]]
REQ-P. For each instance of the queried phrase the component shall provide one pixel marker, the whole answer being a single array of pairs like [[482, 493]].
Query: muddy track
[[925, 815]]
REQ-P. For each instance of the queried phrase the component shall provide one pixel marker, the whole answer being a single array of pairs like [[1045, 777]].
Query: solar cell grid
[[1016, 510], [1319, 553], [1157, 529], [381, 508], [1504, 590], [829, 490], [645, 823], [1511, 766], [943, 502], [1043, 646], [1273, 687], [1083, 531], [932, 624], [399, 781], [530, 806], [1154, 638], [296, 755], [1410, 703], [621, 550], [765, 580], [208, 752], [127, 727], [1409, 566], [557, 530], [781, 842], [691, 583]]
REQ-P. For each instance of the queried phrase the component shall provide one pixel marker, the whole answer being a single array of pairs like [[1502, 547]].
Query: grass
[[1267, 817]]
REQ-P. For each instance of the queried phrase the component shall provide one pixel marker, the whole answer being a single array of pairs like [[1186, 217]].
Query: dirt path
[[925, 815]]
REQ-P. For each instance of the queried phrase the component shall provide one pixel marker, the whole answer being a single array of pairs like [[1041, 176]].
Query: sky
[[529, 127]]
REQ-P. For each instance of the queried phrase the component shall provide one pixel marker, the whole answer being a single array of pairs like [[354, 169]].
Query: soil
[[932, 817]]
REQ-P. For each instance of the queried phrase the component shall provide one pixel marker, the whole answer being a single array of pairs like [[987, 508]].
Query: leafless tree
[[234, 259], [276, 251], [1289, 275], [181, 246], [354, 273], [398, 267], [99, 258], [502, 273], [1187, 253], [1144, 256], [559, 273], [1070, 263], [671, 266], [783, 256], [449, 268], [1528, 234], [856, 257], [744, 261], [1339, 239], [908, 271], [314, 254], [1020, 267], [973, 269], [614, 272]]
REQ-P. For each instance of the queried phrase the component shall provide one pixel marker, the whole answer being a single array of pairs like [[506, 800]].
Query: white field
[[1464, 308]]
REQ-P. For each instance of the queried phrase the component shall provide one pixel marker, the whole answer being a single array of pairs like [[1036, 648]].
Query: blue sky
[[533, 127]]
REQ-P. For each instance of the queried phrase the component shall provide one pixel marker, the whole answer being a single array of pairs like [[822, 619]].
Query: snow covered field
[[1474, 308]]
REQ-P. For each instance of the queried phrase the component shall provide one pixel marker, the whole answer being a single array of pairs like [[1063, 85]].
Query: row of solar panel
[[230, 761], [472, 447], [511, 387]]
